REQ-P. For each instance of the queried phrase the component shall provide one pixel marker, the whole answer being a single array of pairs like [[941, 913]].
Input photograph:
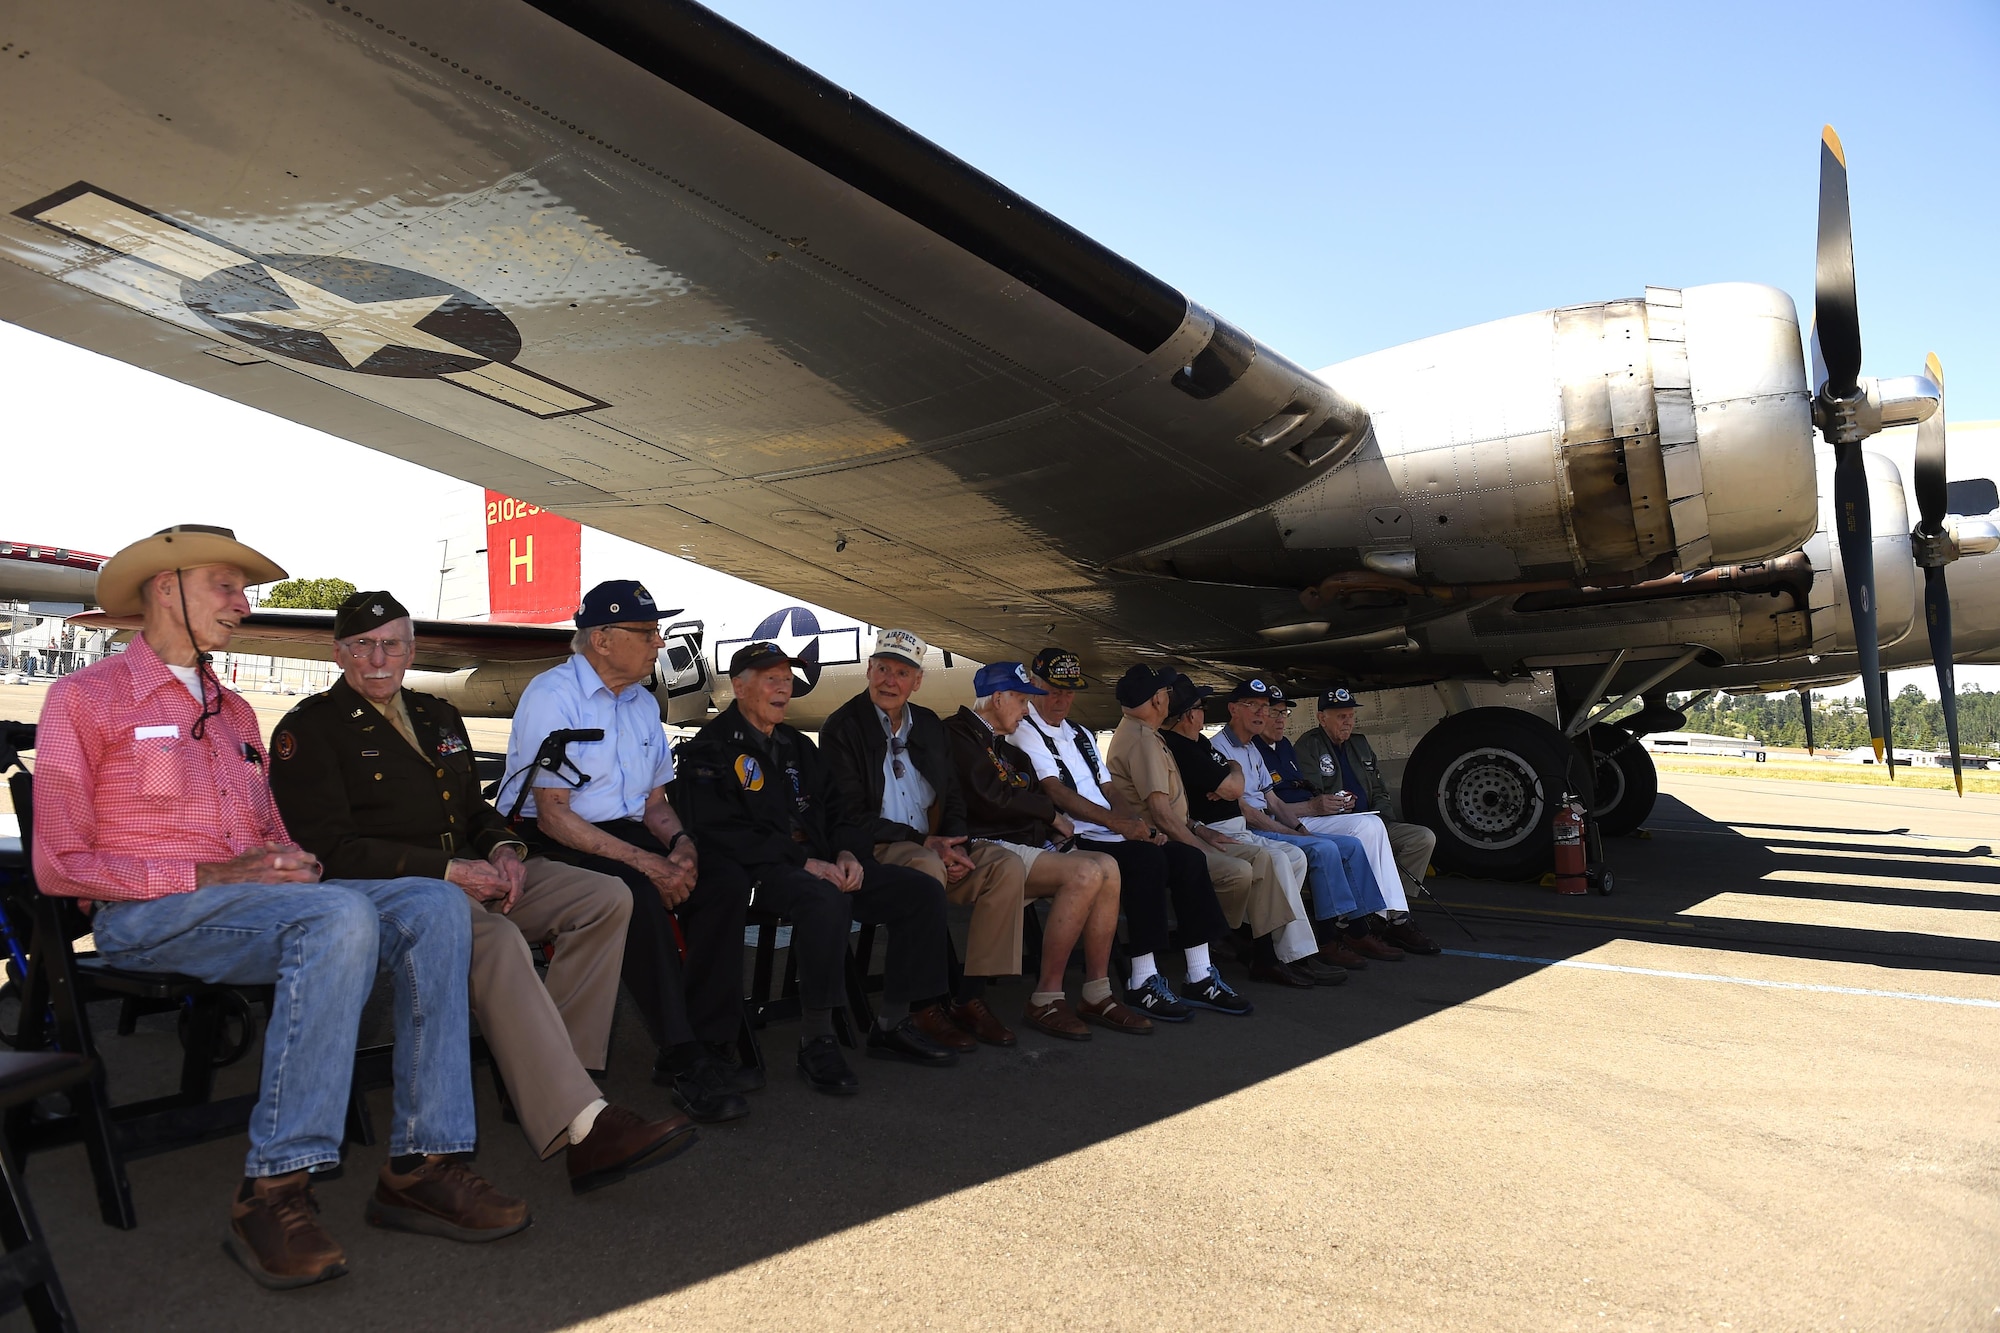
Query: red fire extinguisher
[[1569, 846]]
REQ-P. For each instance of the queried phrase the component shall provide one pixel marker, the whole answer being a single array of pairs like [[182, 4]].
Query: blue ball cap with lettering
[[1252, 690], [617, 602], [1337, 697], [1004, 678]]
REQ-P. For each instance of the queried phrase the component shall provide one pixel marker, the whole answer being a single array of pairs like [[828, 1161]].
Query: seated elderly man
[[1290, 955], [1003, 803], [1333, 772], [378, 782], [774, 828], [1330, 815], [1345, 891], [587, 773], [892, 756], [151, 803], [1144, 776]]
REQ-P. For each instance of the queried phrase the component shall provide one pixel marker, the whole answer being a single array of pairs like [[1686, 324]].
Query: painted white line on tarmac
[[1734, 981]]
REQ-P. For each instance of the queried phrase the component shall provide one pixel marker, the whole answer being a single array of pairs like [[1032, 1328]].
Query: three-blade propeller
[[1836, 407], [1932, 545]]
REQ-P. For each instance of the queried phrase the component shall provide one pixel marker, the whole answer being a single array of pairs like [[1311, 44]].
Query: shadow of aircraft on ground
[[802, 1167]]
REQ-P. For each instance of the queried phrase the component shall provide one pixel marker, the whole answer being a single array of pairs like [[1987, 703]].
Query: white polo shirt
[[1042, 744]]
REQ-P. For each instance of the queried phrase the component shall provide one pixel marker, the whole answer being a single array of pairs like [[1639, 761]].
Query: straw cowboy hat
[[183, 546]]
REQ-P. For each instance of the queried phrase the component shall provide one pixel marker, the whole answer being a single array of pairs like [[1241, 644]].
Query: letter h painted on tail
[[534, 562]]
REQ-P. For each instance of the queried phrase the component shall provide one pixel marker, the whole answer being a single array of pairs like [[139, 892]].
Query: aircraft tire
[[1487, 782], [1626, 782]]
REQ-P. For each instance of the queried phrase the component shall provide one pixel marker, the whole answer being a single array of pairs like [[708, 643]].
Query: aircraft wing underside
[[626, 262]]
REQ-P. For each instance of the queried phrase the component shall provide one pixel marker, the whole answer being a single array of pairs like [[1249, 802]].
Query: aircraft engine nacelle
[[1660, 434], [1898, 585]]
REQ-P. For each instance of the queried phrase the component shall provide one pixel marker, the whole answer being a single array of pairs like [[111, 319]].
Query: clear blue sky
[[1339, 178]]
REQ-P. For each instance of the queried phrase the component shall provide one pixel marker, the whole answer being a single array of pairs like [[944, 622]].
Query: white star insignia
[[357, 329]]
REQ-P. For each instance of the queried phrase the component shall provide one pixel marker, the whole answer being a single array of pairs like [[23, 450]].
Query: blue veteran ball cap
[[1338, 697], [1002, 677], [616, 602]]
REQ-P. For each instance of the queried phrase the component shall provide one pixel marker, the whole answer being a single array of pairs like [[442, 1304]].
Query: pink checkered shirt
[[127, 802]]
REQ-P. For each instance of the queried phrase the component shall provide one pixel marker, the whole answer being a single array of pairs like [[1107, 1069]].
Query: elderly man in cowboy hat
[[378, 781], [152, 803]]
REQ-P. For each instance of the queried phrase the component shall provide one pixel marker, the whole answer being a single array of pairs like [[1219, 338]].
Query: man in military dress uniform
[[378, 782]]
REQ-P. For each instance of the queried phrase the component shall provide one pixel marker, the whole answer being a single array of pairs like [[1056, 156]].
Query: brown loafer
[[1336, 953], [1282, 974], [1368, 946], [1108, 1013], [936, 1024], [1405, 936], [445, 1197], [275, 1234], [975, 1017], [1057, 1020], [621, 1142]]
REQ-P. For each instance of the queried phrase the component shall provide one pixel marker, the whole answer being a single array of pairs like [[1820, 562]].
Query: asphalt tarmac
[[1753, 1088]]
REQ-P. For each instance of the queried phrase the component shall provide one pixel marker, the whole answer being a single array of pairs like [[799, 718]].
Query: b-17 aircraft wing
[[630, 263], [442, 645]]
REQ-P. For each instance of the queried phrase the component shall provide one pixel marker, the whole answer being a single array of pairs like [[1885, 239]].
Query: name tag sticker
[[154, 733]]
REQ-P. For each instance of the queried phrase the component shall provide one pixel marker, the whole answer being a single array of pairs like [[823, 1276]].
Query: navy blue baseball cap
[[617, 602], [1338, 697], [1252, 690], [1141, 682], [1184, 694], [1003, 677]]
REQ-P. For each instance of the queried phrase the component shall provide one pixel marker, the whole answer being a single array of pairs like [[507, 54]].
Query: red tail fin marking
[[534, 562]]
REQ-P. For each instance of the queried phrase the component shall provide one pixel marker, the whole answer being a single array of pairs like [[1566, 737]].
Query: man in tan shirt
[[1146, 778]]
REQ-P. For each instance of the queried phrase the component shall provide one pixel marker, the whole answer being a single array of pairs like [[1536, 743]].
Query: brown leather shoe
[[1405, 936], [973, 1016], [1108, 1013], [1338, 954], [1368, 946], [1057, 1020], [1282, 974], [275, 1234], [621, 1142], [936, 1024], [445, 1197]]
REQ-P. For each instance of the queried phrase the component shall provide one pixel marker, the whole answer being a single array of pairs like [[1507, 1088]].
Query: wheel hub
[[1491, 798]]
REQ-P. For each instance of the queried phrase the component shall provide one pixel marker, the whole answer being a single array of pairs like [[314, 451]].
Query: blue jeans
[[320, 945], [1338, 874]]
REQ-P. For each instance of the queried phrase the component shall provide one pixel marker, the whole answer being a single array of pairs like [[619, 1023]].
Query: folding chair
[[762, 1008], [27, 1270]]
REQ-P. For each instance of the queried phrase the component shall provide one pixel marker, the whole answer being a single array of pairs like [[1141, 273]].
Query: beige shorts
[[1026, 854]]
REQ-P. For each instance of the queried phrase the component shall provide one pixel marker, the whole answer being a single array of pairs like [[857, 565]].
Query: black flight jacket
[[765, 805]]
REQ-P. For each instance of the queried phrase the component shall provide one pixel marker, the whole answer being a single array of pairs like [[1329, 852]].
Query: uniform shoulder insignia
[[284, 745]]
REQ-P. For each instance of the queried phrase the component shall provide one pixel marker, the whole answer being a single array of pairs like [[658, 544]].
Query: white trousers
[[1295, 940], [1368, 827]]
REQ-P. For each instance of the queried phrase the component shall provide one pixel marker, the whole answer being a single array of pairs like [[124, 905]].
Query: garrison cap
[[1061, 668], [1140, 683], [362, 611], [756, 656], [616, 601]]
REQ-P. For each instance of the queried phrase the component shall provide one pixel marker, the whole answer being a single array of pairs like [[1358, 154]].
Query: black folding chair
[[763, 1008], [27, 1269]]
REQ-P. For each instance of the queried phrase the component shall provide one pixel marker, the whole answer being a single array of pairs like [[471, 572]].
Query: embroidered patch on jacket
[[1328, 766], [284, 745], [749, 773], [452, 745]]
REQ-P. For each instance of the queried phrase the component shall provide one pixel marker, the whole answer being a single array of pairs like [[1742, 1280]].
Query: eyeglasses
[[651, 633], [391, 648]]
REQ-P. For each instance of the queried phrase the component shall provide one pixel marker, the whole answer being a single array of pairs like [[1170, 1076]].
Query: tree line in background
[[1840, 724], [307, 594]]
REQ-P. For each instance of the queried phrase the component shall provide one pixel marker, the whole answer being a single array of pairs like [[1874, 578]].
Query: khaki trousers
[[996, 890], [544, 1037], [1412, 845], [1249, 886]]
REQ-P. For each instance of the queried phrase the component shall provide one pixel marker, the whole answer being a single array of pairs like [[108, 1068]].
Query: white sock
[[579, 1128], [1142, 968], [1098, 991], [1042, 997], [1198, 966]]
